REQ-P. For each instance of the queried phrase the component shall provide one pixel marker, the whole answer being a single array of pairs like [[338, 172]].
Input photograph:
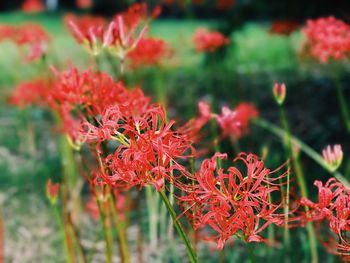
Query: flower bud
[[333, 157], [52, 191], [279, 92]]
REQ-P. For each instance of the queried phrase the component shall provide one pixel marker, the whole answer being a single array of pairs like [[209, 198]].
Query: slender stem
[[303, 147], [121, 234], [106, 231], [139, 231], [152, 204], [301, 181], [2, 238], [289, 150], [64, 233], [76, 237], [191, 255], [342, 101]]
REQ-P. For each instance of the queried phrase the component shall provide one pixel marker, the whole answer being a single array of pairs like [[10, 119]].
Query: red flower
[[34, 37], [32, 6], [30, 93], [148, 150], [236, 122], [327, 38], [225, 4], [209, 41], [333, 207], [84, 3], [6, 32], [283, 27], [232, 202], [87, 30], [149, 51]]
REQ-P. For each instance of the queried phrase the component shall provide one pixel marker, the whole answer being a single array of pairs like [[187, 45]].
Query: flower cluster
[[209, 41], [327, 38], [28, 36], [233, 202], [333, 206], [148, 51]]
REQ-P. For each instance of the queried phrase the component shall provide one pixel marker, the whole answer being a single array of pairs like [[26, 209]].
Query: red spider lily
[[283, 27], [52, 191], [119, 37], [32, 6], [87, 30], [148, 150], [332, 207], [33, 36], [225, 4], [192, 127], [30, 36], [84, 3], [149, 51], [30, 93], [233, 202], [6, 32], [209, 41], [236, 122], [327, 38]]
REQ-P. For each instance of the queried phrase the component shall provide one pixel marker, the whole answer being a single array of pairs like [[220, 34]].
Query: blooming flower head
[[333, 157], [148, 150], [148, 51], [236, 122], [333, 208], [88, 31], [233, 201], [327, 38], [34, 37], [209, 41]]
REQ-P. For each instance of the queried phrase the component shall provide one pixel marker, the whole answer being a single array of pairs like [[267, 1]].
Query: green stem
[[106, 231], [342, 101], [289, 149], [64, 233], [303, 147], [121, 235], [152, 203], [2, 237], [301, 181], [191, 255]]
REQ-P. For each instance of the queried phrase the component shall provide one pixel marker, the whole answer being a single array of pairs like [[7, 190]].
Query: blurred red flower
[[148, 51], [30, 93], [283, 27], [209, 41], [236, 122], [327, 37], [32, 6]]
